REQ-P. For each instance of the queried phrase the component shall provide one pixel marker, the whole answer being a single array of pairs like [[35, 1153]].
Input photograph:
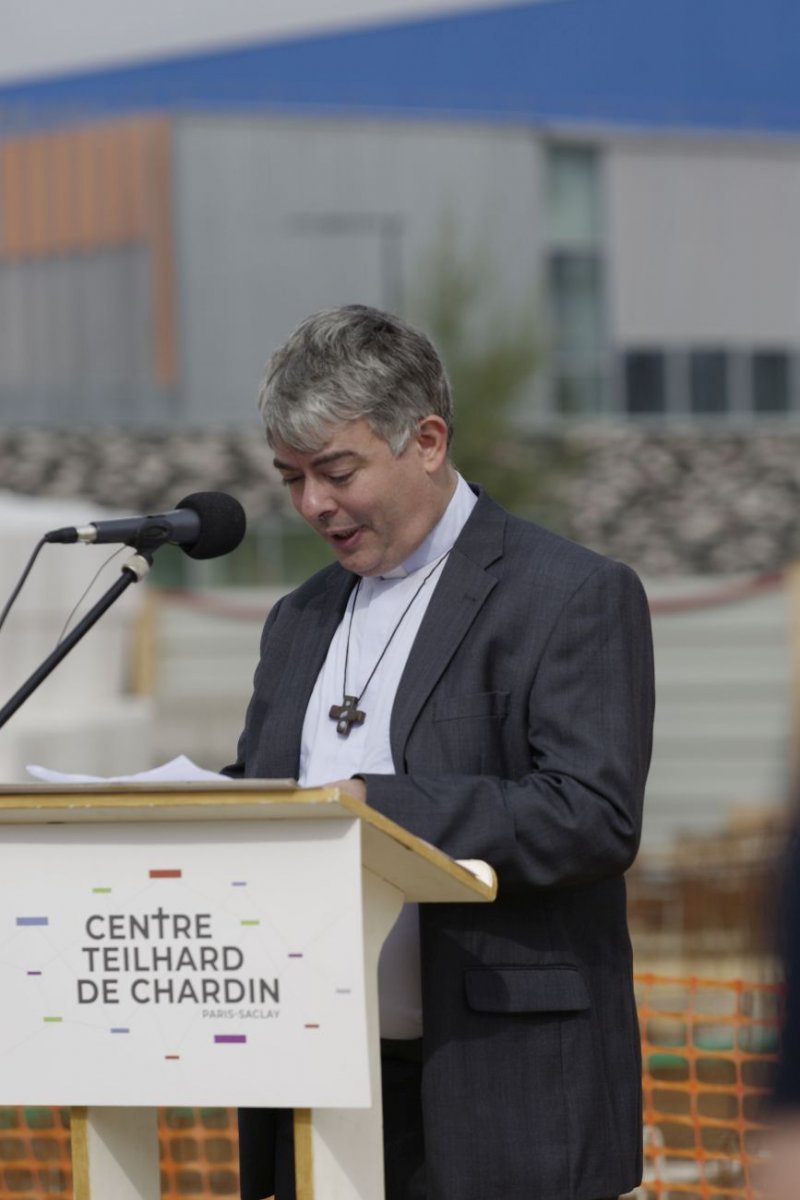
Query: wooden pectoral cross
[[347, 714]]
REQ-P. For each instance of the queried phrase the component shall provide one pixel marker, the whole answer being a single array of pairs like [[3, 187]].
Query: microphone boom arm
[[133, 571]]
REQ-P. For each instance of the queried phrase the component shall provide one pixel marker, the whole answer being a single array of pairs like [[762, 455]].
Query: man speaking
[[489, 686]]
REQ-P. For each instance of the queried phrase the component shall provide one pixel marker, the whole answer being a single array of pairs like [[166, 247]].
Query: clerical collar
[[443, 535]]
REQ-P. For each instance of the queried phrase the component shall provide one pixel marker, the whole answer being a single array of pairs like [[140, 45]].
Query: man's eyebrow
[[320, 461]]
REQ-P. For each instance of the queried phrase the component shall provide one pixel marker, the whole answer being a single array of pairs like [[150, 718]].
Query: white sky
[[40, 37]]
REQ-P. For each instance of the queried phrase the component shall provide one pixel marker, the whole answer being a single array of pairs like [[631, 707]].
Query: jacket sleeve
[[238, 769], [575, 815]]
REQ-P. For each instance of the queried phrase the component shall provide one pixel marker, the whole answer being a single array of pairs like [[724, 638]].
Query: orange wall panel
[[93, 187]]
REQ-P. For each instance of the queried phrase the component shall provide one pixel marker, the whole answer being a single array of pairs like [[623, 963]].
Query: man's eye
[[341, 478], [288, 480]]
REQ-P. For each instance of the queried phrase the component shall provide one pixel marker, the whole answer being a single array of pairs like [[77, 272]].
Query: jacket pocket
[[526, 989], [470, 707]]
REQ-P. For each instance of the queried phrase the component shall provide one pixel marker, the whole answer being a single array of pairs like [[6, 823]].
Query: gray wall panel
[[261, 240], [703, 240], [76, 340]]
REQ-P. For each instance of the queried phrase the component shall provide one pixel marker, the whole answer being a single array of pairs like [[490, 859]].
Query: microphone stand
[[134, 569]]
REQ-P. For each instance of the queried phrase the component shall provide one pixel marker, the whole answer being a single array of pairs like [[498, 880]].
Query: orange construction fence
[[707, 1046]]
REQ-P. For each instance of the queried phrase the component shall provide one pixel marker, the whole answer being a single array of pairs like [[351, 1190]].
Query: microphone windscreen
[[222, 523]]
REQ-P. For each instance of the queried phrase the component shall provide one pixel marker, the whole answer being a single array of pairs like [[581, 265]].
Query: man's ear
[[431, 438]]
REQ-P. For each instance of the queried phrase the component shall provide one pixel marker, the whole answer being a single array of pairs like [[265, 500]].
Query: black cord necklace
[[348, 713]]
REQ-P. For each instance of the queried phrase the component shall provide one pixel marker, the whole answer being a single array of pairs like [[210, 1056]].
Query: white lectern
[[204, 945]]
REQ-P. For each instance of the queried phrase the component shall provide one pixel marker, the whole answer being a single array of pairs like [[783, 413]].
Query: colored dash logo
[[33, 920], [231, 1038], [165, 873]]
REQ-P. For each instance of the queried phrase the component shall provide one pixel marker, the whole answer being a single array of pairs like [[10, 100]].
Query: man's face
[[372, 508]]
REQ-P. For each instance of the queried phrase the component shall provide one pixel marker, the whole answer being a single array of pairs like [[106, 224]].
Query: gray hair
[[347, 363]]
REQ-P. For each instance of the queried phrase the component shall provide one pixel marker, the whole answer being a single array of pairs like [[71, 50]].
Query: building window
[[575, 279], [573, 196], [576, 294], [645, 382], [770, 382], [708, 382], [727, 383]]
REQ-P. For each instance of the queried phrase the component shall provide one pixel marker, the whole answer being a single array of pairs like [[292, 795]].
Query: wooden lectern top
[[425, 873]]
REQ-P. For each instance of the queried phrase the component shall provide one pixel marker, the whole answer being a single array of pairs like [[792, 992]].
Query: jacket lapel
[[460, 594], [312, 637]]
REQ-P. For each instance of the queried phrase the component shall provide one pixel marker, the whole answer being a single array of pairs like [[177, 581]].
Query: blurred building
[[633, 168]]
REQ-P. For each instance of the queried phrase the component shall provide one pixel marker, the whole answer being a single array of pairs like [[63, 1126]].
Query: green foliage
[[490, 355]]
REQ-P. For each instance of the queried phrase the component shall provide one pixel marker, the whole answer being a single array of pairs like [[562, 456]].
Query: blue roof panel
[[714, 64]]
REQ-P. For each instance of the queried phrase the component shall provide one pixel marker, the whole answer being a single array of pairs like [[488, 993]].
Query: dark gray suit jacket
[[521, 734]]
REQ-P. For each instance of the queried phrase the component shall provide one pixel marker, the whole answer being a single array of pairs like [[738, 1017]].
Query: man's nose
[[316, 502]]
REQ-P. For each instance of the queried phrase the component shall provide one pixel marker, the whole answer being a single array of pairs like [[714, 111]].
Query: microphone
[[204, 525]]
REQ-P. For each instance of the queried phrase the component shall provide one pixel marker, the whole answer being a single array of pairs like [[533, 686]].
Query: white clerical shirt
[[326, 755]]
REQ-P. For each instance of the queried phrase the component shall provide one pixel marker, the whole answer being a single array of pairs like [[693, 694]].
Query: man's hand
[[356, 788]]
